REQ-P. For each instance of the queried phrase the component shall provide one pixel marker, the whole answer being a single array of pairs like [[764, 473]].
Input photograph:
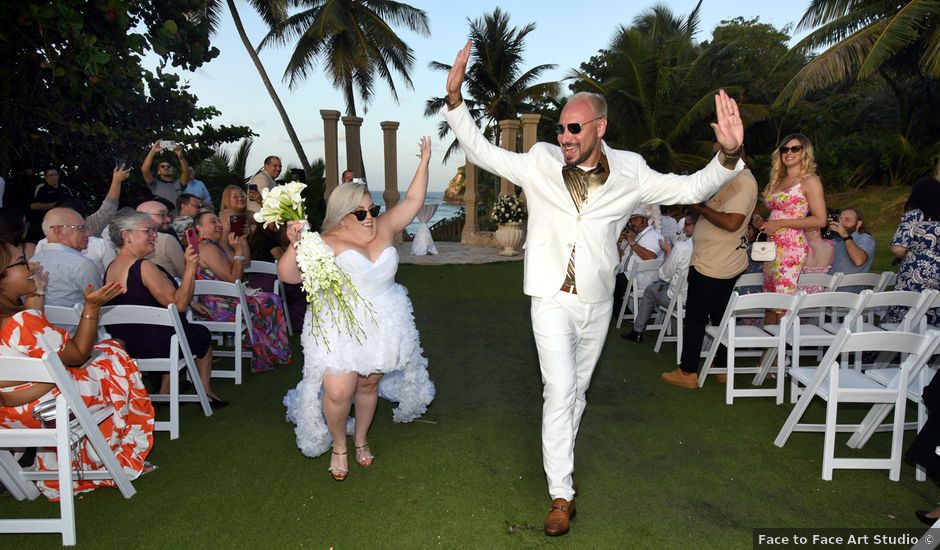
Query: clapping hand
[[729, 129], [98, 297], [40, 277]]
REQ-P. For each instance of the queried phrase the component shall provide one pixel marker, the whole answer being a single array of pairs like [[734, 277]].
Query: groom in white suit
[[579, 195]]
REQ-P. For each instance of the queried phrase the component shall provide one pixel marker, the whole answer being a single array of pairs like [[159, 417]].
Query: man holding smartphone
[[165, 184], [264, 179]]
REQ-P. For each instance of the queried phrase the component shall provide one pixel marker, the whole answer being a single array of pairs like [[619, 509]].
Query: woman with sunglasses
[[270, 347], [110, 378], [134, 234], [796, 202], [349, 369]]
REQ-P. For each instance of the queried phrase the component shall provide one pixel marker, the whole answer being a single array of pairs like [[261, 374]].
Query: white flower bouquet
[[281, 203], [508, 209], [329, 290]]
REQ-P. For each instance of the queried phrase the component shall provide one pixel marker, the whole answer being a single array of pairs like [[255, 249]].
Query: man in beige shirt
[[264, 179], [718, 257]]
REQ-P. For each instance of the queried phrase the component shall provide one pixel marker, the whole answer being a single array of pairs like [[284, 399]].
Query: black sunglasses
[[795, 149], [373, 210], [22, 261], [573, 127]]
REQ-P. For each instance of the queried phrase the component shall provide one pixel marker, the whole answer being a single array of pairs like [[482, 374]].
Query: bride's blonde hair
[[343, 200]]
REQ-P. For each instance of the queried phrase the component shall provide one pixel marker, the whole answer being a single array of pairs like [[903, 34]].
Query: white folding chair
[[257, 266], [876, 282], [236, 327], [672, 313], [172, 364], [736, 337], [826, 281], [816, 308], [631, 294], [74, 421], [838, 384], [63, 317]]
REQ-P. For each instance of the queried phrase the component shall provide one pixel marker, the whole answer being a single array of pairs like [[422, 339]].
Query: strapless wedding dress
[[389, 345]]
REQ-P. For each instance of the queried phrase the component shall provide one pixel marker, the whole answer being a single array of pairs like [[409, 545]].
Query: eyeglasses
[[148, 230], [164, 166], [794, 149], [81, 227], [159, 214], [573, 127], [373, 210]]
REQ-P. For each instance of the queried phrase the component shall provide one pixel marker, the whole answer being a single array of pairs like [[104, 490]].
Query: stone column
[[330, 153], [530, 131], [472, 226], [530, 136], [391, 194], [509, 130], [353, 145]]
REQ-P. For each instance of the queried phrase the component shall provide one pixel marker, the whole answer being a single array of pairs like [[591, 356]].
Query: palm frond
[[903, 28]]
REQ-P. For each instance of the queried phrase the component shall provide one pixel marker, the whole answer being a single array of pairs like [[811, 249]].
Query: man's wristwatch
[[452, 106]]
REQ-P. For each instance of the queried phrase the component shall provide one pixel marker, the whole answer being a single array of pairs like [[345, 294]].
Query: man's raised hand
[[456, 74], [729, 130]]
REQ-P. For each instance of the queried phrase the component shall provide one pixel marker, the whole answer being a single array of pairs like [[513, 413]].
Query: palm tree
[[225, 167], [865, 37], [654, 76], [497, 87], [271, 12], [355, 42]]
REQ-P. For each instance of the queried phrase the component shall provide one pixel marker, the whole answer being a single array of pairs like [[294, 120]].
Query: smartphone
[[236, 224], [253, 187], [192, 239], [167, 145], [119, 163]]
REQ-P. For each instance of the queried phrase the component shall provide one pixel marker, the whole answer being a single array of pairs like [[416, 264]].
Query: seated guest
[[110, 379], [167, 253], [854, 246], [70, 272], [13, 230], [642, 244], [818, 258], [268, 323], [148, 284], [187, 207], [672, 275], [266, 245], [234, 203]]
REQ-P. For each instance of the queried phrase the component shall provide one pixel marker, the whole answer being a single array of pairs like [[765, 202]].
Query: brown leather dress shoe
[[680, 378], [559, 517]]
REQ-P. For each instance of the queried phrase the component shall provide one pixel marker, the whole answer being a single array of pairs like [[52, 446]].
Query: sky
[[563, 36]]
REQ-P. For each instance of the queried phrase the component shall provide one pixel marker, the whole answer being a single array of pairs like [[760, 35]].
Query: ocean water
[[443, 210]]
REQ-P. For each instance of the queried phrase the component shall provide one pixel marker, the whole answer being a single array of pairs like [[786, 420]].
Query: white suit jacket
[[555, 226]]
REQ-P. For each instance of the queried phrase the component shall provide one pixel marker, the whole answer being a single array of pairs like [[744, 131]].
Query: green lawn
[[658, 466]]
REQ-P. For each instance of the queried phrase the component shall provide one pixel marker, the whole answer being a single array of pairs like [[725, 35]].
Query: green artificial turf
[[658, 466]]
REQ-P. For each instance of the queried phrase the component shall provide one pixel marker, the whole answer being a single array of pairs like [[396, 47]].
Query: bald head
[[65, 226], [158, 213]]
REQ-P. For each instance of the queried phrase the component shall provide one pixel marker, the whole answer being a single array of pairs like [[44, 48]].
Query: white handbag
[[763, 251]]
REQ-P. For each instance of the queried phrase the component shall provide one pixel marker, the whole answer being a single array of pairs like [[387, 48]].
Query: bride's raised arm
[[398, 217]]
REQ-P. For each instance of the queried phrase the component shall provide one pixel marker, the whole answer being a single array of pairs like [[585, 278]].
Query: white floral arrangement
[[508, 209], [281, 203], [329, 290]]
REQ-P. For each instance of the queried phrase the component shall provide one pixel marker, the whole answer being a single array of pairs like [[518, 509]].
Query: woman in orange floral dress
[[111, 378], [794, 191]]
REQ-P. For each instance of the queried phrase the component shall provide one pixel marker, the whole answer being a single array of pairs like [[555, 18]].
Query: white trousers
[[569, 335]]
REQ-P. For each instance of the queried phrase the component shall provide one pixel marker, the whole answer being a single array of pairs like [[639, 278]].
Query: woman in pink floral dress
[[796, 202]]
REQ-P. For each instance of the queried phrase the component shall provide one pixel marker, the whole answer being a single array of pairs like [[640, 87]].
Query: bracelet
[[847, 238], [452, 106], [40, 293], [239, 258], [91, 317]]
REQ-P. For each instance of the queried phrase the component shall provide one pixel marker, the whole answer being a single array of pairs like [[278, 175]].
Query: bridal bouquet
[[281, 203], [329, 290]]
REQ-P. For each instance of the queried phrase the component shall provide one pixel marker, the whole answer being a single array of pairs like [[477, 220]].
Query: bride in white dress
[[387, 361]]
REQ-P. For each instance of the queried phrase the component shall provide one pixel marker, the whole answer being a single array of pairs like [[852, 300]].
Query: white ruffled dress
[[390, 345]]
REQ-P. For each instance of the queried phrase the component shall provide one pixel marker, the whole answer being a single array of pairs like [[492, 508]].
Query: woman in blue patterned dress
[[917, 243]]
